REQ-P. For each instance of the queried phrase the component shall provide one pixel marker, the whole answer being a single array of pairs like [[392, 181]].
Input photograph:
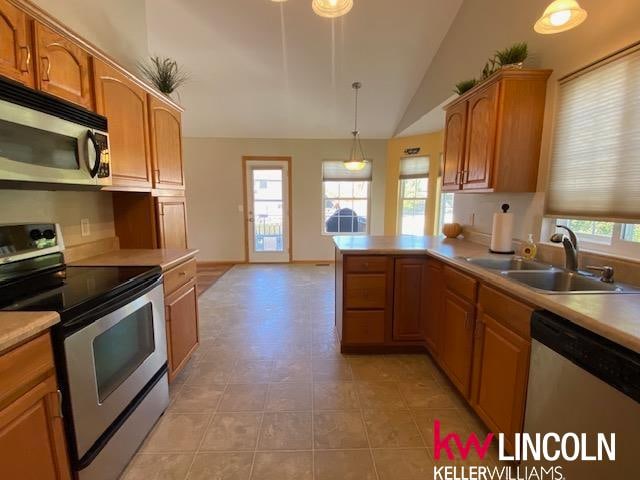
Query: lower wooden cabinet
[[181, 316], [501, 364], [457, 340], [32, 442], [409, 303], [432, 295]]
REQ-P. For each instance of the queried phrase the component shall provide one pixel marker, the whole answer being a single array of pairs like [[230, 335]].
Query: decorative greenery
[[164, 73], [513, 55], [465, 85], [489, 68], [516, 53]]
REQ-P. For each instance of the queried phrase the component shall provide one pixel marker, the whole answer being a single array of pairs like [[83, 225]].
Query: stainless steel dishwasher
[[582, 383]]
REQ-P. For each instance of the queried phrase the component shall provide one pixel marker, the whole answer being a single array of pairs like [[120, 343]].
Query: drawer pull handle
[[182, 274]]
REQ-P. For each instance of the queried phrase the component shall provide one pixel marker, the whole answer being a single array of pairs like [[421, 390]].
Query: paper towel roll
[[502, 233]]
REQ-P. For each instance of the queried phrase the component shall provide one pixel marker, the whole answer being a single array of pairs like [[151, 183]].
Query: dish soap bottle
[[529, 249]]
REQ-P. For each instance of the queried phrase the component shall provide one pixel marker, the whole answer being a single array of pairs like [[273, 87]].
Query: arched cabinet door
[[166, 145], [482, 121], [16, 56], [454, 147], [63, 68], [124, 104]]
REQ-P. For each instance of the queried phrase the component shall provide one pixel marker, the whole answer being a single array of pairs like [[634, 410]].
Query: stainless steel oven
[[110, 361], [44, 140]]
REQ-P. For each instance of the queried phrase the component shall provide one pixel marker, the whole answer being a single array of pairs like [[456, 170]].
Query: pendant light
[[331, 8], [357, 159], [560, 16]]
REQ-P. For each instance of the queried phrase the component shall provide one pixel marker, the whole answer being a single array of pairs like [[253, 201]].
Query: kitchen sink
[[507, 264], [562, 281]]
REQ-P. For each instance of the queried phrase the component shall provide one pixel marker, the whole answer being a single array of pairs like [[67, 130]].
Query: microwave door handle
[[92, 145]]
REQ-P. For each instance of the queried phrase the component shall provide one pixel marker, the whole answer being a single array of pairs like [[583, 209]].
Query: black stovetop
[[46, 284]]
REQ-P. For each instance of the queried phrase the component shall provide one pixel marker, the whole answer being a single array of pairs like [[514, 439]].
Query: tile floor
[[268, 396]]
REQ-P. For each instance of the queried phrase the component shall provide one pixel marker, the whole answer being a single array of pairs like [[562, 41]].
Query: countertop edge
[[538, 300], [27, 328]]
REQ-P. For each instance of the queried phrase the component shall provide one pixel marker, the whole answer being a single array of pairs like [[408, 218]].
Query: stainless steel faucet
[[570, 245]]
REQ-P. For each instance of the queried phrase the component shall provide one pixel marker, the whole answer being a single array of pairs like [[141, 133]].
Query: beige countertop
[[165, 258], [16, 327], [613, 316]]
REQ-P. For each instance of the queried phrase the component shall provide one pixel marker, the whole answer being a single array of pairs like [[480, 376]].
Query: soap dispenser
[[529, 249]]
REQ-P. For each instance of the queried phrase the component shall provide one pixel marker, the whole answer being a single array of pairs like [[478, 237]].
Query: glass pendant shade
[[560, 16], [331, 8], [357, 160]]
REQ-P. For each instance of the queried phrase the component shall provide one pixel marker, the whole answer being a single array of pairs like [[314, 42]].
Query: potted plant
[[513, 56], [465, 85], [164, 73]]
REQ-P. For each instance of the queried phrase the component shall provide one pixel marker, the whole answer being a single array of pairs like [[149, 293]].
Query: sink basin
[[507, 264], [561, 281]]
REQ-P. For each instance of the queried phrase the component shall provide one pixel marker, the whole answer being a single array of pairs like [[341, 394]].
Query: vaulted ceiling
[[276, 70]]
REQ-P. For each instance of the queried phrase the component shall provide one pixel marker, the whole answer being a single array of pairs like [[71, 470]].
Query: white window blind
[[595, 165], [414, 167], [334, 170]]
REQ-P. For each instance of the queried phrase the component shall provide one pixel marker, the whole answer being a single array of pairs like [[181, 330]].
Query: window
[[595, 165], [610, 237], [446, 209], [413, 191], [345, 198]]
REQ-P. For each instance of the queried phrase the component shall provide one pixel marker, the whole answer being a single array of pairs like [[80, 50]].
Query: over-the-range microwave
[[50, 143]]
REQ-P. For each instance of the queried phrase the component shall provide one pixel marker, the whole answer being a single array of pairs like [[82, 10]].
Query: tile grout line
[[366, 432]]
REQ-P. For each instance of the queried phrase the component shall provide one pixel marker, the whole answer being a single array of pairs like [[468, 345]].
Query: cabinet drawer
[[365, 291], [511, 313], [363, 327], [460, 283], [24, 366], [178, 276], [366, 264]]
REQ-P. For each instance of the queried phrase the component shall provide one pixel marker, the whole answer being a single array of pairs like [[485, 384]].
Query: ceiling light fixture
[[331, 8], [560, 16], [357, 159]]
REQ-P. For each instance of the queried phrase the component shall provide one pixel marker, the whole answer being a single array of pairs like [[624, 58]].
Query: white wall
[[213, 169], [483, 26], [118, 27], [65, 208]]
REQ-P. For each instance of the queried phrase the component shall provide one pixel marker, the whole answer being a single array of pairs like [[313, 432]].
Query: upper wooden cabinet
[[454, 140], [16, 54], [172, 222], [124, 104], [63, 68], [493, 133], [166, 145]]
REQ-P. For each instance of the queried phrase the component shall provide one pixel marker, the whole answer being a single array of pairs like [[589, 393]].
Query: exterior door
[[267, 210]]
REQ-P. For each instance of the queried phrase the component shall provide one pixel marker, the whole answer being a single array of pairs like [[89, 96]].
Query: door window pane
[[119, 351], [268, 209]]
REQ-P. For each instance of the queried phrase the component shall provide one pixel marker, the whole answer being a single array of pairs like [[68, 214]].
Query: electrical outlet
[[85, 227]]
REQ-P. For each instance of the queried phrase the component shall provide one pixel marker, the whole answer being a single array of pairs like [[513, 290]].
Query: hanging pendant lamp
[[331, 8], [357, 159], [560, 16]]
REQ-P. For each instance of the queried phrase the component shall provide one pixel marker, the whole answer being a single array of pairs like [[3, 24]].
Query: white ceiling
[[242, 86]]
